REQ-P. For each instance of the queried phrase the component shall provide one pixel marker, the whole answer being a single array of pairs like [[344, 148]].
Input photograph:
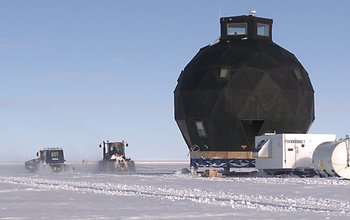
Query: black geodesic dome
[[242, 86]]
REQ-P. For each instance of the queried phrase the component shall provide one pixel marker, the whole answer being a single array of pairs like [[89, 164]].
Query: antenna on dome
[[252, 13]]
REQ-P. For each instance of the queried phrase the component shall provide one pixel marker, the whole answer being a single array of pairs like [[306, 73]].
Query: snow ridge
[[218, 198]]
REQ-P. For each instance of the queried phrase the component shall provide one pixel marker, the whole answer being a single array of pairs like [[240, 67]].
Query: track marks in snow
[[210, 197], [296, 180]]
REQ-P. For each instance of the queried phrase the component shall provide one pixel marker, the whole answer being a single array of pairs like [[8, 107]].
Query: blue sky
[[75, 73]]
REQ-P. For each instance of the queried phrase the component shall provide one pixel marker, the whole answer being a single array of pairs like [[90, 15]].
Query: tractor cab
[[112, 150], [116, 148], [52, 156]]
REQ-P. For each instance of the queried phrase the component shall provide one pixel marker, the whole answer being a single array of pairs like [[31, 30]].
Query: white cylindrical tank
[[332, 159]]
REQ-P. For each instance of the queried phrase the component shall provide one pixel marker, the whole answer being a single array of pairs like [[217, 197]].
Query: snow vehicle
[[114, 158], [52, 157]]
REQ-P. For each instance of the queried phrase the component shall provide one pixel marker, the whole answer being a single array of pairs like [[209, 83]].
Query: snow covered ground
[[158, 190]]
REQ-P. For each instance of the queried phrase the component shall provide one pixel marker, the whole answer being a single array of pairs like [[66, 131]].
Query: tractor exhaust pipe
[[104, 150]]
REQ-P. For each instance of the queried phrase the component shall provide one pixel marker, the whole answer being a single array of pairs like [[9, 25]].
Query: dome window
[[225, 72], [237, 29], [263, 29], [200, 129]]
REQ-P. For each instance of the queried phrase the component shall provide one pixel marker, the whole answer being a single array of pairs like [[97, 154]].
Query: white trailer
[[287, 152]]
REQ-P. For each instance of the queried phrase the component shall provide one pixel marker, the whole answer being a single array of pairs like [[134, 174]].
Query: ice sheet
[[158, 190]]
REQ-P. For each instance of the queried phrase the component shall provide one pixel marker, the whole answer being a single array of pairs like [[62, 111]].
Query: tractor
[[114, 159], [52, 157]]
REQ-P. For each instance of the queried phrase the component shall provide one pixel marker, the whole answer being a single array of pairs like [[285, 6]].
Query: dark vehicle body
[[52, 157]]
